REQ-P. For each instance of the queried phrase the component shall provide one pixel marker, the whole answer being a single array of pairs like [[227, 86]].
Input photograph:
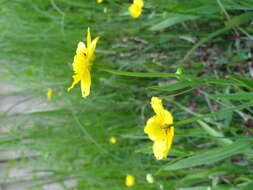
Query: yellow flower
[[113, 140], [49, 94], [136, 8], [100, 1], [130, 180], [159, 129], [82, 64]]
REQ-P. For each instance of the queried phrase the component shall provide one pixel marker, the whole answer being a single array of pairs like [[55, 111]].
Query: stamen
[[167, 126]]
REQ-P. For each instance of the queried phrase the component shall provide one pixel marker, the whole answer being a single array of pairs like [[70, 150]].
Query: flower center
[[166, 126]]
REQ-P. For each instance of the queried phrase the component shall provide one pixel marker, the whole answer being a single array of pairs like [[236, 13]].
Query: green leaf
[[212, 132], [246, 81], [210, 156], [192, 82], [174, 86], [189, 78], [249, 186], [136, 74], [236, 96], [172, 20]]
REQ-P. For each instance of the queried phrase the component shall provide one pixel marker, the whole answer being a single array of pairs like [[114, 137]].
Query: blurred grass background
[[209, 42]]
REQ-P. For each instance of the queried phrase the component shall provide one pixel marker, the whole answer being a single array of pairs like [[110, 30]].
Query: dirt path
[[12, 102]]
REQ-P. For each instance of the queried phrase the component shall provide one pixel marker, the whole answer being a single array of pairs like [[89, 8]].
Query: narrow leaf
[[242, 106], [246, 81], [173, 86], [236, 96], [210, 156], [137, 74], [172, 20]]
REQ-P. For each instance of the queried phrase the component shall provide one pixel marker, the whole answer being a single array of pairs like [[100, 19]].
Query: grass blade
[[172, 20], [236, 96], [210, 156], [242, 106], [246, 81]]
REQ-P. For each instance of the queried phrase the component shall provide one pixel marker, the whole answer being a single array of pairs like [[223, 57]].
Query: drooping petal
[[76, 79], [86, 83], [162, 148], [153, 129], [157, 106], [170, 137], [88, 37], [159, 149], [91, 47]]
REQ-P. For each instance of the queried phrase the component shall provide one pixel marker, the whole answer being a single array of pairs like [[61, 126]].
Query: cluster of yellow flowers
[[159, 127]]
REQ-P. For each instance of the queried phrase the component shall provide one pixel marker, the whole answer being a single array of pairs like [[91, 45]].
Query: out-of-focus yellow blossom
[[49, 94], [130, 180], [150, 178], [82, 64], [100, 1], [136, 8], [159, 129], [113, 140]]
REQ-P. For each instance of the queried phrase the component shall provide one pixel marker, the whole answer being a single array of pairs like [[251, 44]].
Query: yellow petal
[[91, 48], [168, 118], [153, 129], [85, 83], [165, 116], [100, 1], [157, 106], [80, 63], [135, 10], [159, 148], [80, 48], [162, 148], [76, 79], [88, 38], [170, 137], [139, 3]]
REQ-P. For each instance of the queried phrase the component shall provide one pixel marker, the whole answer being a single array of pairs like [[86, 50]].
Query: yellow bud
[[130, 180], [150, 178], [49, 94], [113, 140]]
